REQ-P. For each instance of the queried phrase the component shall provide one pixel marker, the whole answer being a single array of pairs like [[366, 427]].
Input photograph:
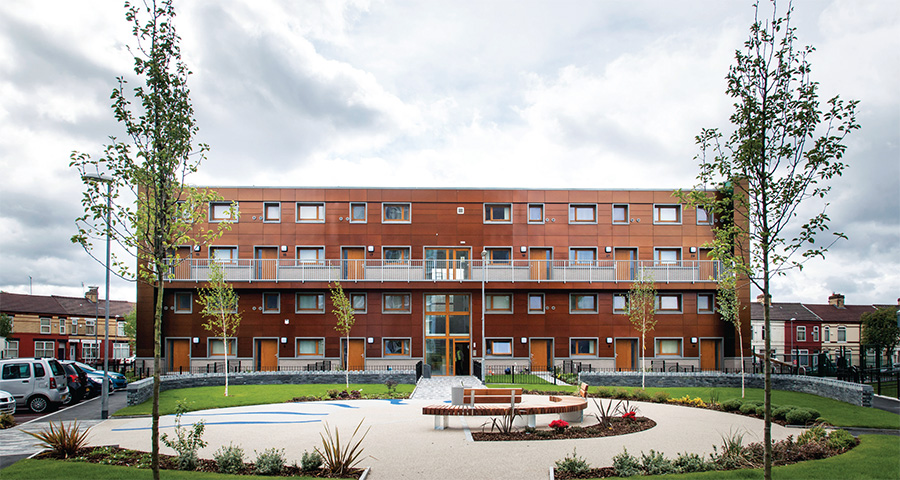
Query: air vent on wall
[[460, 210]]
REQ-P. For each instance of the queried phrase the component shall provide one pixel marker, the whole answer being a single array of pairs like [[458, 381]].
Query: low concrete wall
[[142, 390], [852, 393]]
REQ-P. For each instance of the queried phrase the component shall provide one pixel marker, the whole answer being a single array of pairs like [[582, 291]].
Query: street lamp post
[[104, 402], [793, 357], [483, 339]]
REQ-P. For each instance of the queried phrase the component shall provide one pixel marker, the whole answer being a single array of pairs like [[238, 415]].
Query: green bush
[[626, 465], [7, 421], [748, 408], [732, 404], [799, 416], [815, 413], [620, 393], [642, 395], [761, 410], [655, 463], [573, 465], [229, 459], [310, 461], [605, 392], [270, 461], [187, 441], [781, 412], [690, 462], [661, 397], [815, 434], [840, 440]]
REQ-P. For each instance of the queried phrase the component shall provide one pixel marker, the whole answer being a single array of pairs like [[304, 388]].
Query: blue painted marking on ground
[[195, 414], [344, 405], [219, 423], [396, 401]]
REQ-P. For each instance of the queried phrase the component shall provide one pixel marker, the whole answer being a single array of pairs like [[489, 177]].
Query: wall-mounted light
[[553, 307], [283, 339], [287, 321], [340, 219], [693, 249], [195, 340], [609, 340], [284, 248], [370, 248], [524, 340], [523, 249], [370, 340], [608, 249], [694, 340], [196, 248]]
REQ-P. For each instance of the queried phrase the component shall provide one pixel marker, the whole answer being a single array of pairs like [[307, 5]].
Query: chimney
[[759, 299], [92, 294], [836, 299]]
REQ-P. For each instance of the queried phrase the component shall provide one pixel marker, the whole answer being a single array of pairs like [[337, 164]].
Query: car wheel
[[39, 404]]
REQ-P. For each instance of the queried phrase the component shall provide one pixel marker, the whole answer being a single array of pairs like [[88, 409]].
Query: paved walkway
[[438, 388]]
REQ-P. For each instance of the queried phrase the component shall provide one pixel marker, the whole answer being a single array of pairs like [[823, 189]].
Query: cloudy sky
[[541, 94]]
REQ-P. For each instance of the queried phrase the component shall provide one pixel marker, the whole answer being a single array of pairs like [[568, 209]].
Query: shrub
[[799, 416], [642, 395], [815, 434], [7, 421], [812, 451], [620, 393], [814, 413], [781, 412], [186, 442], [840, 440], [661, 397], [605, 392], [559, 426], [63, 441], [391, 386], [690, 462], [732, 404], [748, 408], [229, 459], [270, 461], [574, 465], [655, 463], [626, 465], [760, 410], [310, 461], [339, 457]]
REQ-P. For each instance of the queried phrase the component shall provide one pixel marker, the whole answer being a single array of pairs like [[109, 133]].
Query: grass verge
[[202, 398], [30, 469]]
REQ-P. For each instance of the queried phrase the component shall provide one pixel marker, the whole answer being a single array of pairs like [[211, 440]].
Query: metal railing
[[379, 270], [533, 374], [234, 366]]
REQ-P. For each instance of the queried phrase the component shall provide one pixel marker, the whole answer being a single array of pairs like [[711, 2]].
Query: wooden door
[[356, 354], [267, 355], [180, 353], [706, 269], [182, 263], [540, 263], [540, 355], [624, 355], [354, 263], [709, 354], [625, 263], [266, 263]]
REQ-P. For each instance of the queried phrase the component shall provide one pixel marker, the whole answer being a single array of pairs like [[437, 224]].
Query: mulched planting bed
[[134, 458], [618, 426]]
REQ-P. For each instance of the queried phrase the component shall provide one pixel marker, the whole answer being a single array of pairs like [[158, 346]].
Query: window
[[120, 329], [803, 357], [801, 334], [396, 255], [223, 211], [396, 213], [357, 212], [668, 347], [271, 302], [62, 326], [121, 350], [271, 212], [703, 217], [498, 303], [12, 351], [667, 214], [44, 349], [45, 325], [582, 303], [310, 347], [310, 303], [497, 213], [498, 256], [667, 256], [358, 302], [217, 347], [842, 334], [183, 302], [396, 347], [310, 212], [310, 255], [89, 350], [74, 326], [90, 327], [535, 303], [535, 213], [762, 332], [499, 347], [396, 303], [583, 346], [826, 334], [223, 255], [620, 303], [582, 214], [620, 213], [705, 303], [668, 302], [583, 256], [815, 334]]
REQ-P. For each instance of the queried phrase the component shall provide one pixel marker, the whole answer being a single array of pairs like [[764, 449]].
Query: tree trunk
[[157, 352], [767, 364]]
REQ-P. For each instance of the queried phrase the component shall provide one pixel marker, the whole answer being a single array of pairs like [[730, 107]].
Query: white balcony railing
[[691, 271]]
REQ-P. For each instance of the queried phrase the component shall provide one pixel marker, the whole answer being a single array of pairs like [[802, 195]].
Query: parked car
[[39, 384], [78, 383], [7, 403], [116, 380], [91, 386]]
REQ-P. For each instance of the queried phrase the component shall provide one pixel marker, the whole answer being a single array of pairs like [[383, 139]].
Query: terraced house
[[545, 271]]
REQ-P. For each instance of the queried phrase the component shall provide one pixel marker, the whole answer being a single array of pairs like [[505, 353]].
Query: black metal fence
[[526, 373]]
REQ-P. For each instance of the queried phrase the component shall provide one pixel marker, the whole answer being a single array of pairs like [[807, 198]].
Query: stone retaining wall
[[142, 390], [853, 393]]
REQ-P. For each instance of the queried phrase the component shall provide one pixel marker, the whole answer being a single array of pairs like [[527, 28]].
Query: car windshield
[[85, 367]]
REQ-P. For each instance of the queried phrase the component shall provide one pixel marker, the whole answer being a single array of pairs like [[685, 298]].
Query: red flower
[[630, 415], [559, 424]]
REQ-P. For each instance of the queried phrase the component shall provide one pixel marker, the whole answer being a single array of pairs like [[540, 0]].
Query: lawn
[[201, 398], [29, 469], [840, 414]]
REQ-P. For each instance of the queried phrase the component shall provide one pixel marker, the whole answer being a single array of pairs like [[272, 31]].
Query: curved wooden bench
[[556, 405]]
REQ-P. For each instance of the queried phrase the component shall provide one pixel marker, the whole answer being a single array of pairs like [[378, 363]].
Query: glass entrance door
[[447, 322], [447, 263]]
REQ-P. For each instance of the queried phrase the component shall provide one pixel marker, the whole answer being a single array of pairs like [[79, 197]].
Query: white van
[[36, 383]]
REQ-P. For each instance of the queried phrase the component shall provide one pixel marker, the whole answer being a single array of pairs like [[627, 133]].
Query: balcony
[[377, 270]]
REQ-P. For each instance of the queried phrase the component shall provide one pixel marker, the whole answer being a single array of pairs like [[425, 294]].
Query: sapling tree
[[641, 311], [880, 330], [343, 311], [152, 210], [728, 304], [780, 153], [220, 307]]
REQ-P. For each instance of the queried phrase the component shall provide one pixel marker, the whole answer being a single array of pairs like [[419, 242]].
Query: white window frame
[[491, 350], [62, 326], [121, 350], [12, 349], [489, 206], [320, 208], [573, 213], [801, 329], [190, 297], [266, 218], [45, 323], [815, 334], [90, 350], [384, 218], [657, 214], [365, 207], [44, 349], [826, 334], [320, 347], [120, 328], [841, 330], [613, 213], [543, 213], [543, 303], [265, 308], [320, 302], [90, 326]]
